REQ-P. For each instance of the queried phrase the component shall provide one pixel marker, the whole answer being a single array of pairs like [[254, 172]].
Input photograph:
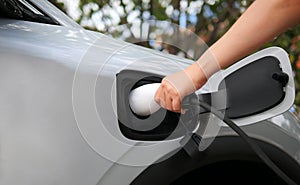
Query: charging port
[[160, 125]]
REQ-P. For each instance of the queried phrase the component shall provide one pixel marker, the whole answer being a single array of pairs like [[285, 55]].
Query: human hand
[[175, 87]]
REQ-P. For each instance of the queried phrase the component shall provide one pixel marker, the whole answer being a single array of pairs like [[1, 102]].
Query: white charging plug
[[141, 99]]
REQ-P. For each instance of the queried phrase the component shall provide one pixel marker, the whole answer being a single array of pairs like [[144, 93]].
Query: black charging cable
[[259, 152]]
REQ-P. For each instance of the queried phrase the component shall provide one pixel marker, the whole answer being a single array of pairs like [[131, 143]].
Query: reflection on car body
[[59, 121]]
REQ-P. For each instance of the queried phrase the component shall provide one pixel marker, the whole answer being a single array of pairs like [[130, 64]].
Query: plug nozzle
[[141, 99]]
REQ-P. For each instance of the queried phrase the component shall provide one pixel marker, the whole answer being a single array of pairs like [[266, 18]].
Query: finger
[[168, 99], [183, 111], [162, 99], [157, 95], [176, 104]]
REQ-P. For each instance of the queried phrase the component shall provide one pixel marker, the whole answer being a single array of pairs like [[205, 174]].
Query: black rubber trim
[[13, 9], [223, 148]]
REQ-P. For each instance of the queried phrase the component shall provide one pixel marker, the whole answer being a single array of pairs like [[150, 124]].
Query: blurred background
[[154, 24]]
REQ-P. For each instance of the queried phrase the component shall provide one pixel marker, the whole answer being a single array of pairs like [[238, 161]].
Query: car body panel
[[38, 65], [58, 122]]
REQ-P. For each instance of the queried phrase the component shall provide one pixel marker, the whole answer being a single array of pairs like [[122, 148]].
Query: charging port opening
[[161, 125]]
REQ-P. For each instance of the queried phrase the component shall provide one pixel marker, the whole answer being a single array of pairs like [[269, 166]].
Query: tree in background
[[151, 23]]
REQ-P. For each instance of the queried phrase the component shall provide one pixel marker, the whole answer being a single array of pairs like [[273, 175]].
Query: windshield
[[23, 10]]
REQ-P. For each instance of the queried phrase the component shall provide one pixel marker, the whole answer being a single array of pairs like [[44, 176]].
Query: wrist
[[197, 75], [203, 69], [208, 63]]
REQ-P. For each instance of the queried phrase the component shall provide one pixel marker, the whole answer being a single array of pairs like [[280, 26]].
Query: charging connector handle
[[141, 99]]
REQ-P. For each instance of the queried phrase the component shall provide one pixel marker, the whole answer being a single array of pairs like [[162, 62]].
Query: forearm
[[263, 20]]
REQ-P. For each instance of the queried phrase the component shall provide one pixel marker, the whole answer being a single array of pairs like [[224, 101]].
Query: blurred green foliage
[[208, 19]]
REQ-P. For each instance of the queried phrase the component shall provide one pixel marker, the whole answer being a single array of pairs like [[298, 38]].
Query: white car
[[65, 117]]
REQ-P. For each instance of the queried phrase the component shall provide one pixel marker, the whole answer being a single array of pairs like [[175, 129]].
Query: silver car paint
[[44, 70], [40, 139]]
